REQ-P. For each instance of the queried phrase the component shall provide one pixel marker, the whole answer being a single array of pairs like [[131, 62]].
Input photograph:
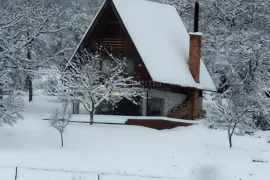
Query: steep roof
[[162, 41]]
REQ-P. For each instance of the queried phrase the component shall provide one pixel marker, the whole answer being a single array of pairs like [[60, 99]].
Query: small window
[[129, 70], [104, 108], [95, 63], [105, 66]]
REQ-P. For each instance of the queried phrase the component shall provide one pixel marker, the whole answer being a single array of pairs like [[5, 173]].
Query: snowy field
[[190, 153], [7, 173], [35, 174]]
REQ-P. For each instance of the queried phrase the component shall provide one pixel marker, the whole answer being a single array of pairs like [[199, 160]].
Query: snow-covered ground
[[7, 173], [118, 119], [194, 153]]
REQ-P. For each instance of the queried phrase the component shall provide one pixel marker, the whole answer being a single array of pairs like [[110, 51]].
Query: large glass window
[[155, 106]]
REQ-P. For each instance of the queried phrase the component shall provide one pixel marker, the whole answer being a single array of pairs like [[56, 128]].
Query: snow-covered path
[[181, 153]]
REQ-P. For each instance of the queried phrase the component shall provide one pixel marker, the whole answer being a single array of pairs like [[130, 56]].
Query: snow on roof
[[162, 42]]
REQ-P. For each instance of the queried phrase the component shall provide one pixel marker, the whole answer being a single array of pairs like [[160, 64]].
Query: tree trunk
[[30, 88], [230, 137], [62, 140], [1, 93], [230, 133], [76, 107], [92, 112], [28, 78], [1, 97], [91, 117]]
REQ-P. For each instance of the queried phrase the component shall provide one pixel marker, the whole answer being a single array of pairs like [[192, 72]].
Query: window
[[129, 70], [95, 63], [104, 108], [105, 66], [155, 106]]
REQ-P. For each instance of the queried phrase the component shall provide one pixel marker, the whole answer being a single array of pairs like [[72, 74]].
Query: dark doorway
[[155, 106], [127, 108]]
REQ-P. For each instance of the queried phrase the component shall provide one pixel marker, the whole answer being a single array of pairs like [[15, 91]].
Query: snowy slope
[[185, 152]]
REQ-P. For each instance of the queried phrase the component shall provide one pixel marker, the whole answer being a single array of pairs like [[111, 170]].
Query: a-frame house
[[162, 55]]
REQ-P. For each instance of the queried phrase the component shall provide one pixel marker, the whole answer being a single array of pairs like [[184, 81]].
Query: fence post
[[16, 172]]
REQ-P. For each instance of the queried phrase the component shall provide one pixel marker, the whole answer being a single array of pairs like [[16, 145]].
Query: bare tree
[[230, 113], [11, 102], [28, 33], [84, 81], [232, 118], [60, 119]]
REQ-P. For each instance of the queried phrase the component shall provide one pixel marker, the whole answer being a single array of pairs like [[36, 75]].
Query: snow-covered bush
[[11, 102], [11, 105], [48, 79], [262, 121]]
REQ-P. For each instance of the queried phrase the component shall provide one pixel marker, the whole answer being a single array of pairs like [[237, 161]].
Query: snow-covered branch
[[87, 83]]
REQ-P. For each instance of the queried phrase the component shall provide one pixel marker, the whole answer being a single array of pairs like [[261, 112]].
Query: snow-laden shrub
[[48, 79], [262, 121], [10, 107]]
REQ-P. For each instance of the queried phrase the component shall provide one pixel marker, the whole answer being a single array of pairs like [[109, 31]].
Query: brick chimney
[[195, 47], [194, 63]]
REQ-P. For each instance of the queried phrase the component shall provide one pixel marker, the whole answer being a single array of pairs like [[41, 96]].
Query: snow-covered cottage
[[161, 54]]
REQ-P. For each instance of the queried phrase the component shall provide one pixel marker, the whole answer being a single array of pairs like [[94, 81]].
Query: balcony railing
[[114, 43]]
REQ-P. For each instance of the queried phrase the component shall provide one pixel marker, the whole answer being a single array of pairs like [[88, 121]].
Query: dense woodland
[[43, 34]]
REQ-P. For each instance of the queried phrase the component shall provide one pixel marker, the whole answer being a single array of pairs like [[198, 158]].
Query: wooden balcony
[[116, 44]]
